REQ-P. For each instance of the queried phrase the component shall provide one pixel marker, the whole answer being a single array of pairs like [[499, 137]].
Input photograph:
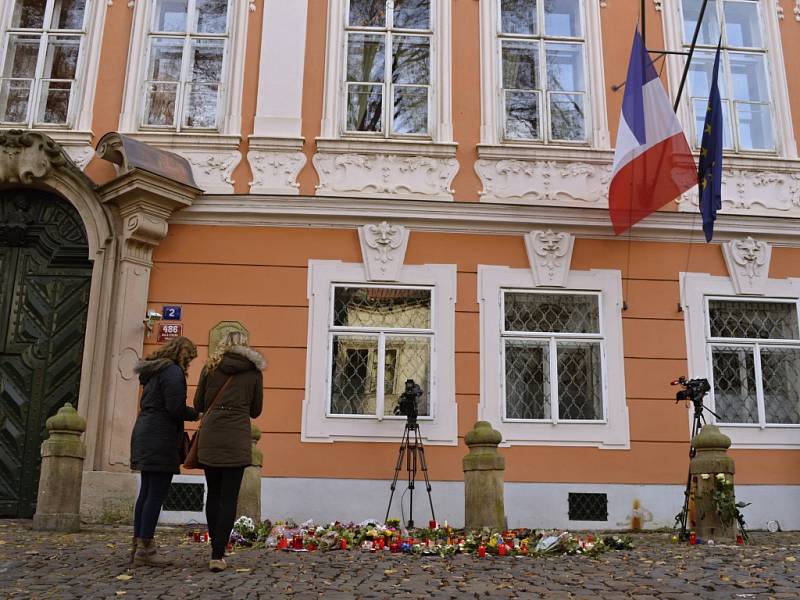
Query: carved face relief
[[384, 238], [27, 156], [751, 255]]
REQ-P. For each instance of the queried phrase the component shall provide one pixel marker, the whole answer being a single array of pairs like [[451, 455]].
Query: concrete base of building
[[535, 505], [108, 497]]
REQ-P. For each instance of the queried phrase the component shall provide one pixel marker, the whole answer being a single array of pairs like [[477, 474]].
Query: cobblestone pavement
[[92, 564]]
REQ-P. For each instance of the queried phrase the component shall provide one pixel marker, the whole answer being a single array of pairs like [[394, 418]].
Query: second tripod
[[412, 450]]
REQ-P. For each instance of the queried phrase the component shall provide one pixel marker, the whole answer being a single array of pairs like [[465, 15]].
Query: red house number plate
[[168, 331]]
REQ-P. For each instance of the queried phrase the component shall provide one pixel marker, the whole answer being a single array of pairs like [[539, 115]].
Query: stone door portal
[[45, 276]]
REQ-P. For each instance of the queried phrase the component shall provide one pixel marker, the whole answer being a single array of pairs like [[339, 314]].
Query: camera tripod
[[698, 420], [414, 453]]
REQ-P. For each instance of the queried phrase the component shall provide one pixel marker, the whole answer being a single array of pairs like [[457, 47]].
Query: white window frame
[[551, 339], [783, 132], [232, 78], [78, 130], [696, 290], [380, 333], [613, 432], [492, 103], [318, 425], [334, 112]]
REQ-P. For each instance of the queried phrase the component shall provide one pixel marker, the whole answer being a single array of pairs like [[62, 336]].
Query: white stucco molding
[[383, 250], [213, 157], [755, 186], [748, 264], [319, 426], [544, 175], [614, 430], [695, 288], [385, 169], [275, 164], [550, 256]]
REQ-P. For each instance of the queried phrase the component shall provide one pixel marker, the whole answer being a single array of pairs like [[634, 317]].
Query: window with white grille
[[754, 353], [744, 80], [552, 356], [388, 72], [543, 55], [41, 62], [379, 338], [186, 54]]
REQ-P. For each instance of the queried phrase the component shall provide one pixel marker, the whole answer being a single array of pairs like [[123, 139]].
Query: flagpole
[[691, 53], [642, 16]]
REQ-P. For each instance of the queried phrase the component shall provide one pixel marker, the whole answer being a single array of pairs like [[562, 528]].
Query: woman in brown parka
[[232, 372]]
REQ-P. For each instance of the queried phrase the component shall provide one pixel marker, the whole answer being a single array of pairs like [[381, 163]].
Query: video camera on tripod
[[693, 389], [407, 405]]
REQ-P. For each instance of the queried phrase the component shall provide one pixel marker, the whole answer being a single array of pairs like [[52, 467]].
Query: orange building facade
[[411, 189]]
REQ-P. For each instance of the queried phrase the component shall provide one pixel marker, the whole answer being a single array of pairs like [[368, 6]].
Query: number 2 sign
[[171, 313], [168, 331]]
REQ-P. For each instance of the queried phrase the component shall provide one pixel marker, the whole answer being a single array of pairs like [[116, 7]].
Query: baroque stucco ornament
[[550, 256], [748, 264], [29, 156], [383, 248]]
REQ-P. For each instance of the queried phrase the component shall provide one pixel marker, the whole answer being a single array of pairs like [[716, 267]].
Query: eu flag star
[[708, 128], [704, 152]]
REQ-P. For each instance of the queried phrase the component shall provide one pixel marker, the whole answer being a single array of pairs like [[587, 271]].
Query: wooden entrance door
[[45, 276]]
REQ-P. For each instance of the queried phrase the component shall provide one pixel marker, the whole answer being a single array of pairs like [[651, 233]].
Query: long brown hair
[[180, 350], [233, 338]]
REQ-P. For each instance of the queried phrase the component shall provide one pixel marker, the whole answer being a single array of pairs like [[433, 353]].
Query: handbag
[[191, 461]]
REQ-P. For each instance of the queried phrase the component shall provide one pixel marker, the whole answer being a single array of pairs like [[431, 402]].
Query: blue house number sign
[[171, 313]]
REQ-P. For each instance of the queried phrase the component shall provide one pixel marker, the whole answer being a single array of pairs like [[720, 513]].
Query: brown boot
[[147, 554], [134, 547]]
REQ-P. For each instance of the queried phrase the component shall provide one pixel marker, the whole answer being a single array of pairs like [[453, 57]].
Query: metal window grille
[[552, 355], [588, 507], [754, 353], [185, 497]]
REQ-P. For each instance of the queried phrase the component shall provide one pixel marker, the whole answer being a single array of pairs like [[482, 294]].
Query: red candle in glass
[[343, 544], [205, 536], [502, 549], [282, 543], [481, 551], [693, 538], [297, 542], [394, 547], [432, 524], [196, 535], [739, 539]]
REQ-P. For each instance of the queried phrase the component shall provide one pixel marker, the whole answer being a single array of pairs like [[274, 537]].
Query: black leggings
[[152, 493], [223, 494]]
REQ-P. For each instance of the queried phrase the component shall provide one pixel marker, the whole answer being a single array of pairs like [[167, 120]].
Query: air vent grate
[[588, 507], [185, 496]]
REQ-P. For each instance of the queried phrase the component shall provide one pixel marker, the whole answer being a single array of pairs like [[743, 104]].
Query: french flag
[[652, 163]]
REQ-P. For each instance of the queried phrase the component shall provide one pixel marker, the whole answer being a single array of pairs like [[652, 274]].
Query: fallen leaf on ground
[[124, 577], [121, 592], [388, 572], [791, 558], [32, 552], [242, 570]]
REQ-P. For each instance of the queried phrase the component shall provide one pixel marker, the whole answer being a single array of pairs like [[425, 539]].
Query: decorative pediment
[[27, 157], [383, 247], [748, 264], [550, 256]]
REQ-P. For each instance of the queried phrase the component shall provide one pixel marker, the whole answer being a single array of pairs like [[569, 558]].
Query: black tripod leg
[[411, 467], [424, 466], [397, 467], [698, 421]]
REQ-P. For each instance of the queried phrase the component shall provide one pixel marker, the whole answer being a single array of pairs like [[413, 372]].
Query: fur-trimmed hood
[[146, 369], [242, 358]]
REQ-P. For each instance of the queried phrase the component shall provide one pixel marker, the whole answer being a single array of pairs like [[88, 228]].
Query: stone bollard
[[712, 470], [250, 493], [483, 479], [59, 500]]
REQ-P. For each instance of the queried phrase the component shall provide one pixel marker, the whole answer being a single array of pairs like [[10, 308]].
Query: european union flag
[[709, 171]]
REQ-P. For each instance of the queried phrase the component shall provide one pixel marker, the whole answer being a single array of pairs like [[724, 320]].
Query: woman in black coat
[[157, 438], [230, 393]]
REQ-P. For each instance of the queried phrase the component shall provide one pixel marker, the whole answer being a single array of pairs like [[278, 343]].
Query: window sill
[[385, 168], [544, 175]]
